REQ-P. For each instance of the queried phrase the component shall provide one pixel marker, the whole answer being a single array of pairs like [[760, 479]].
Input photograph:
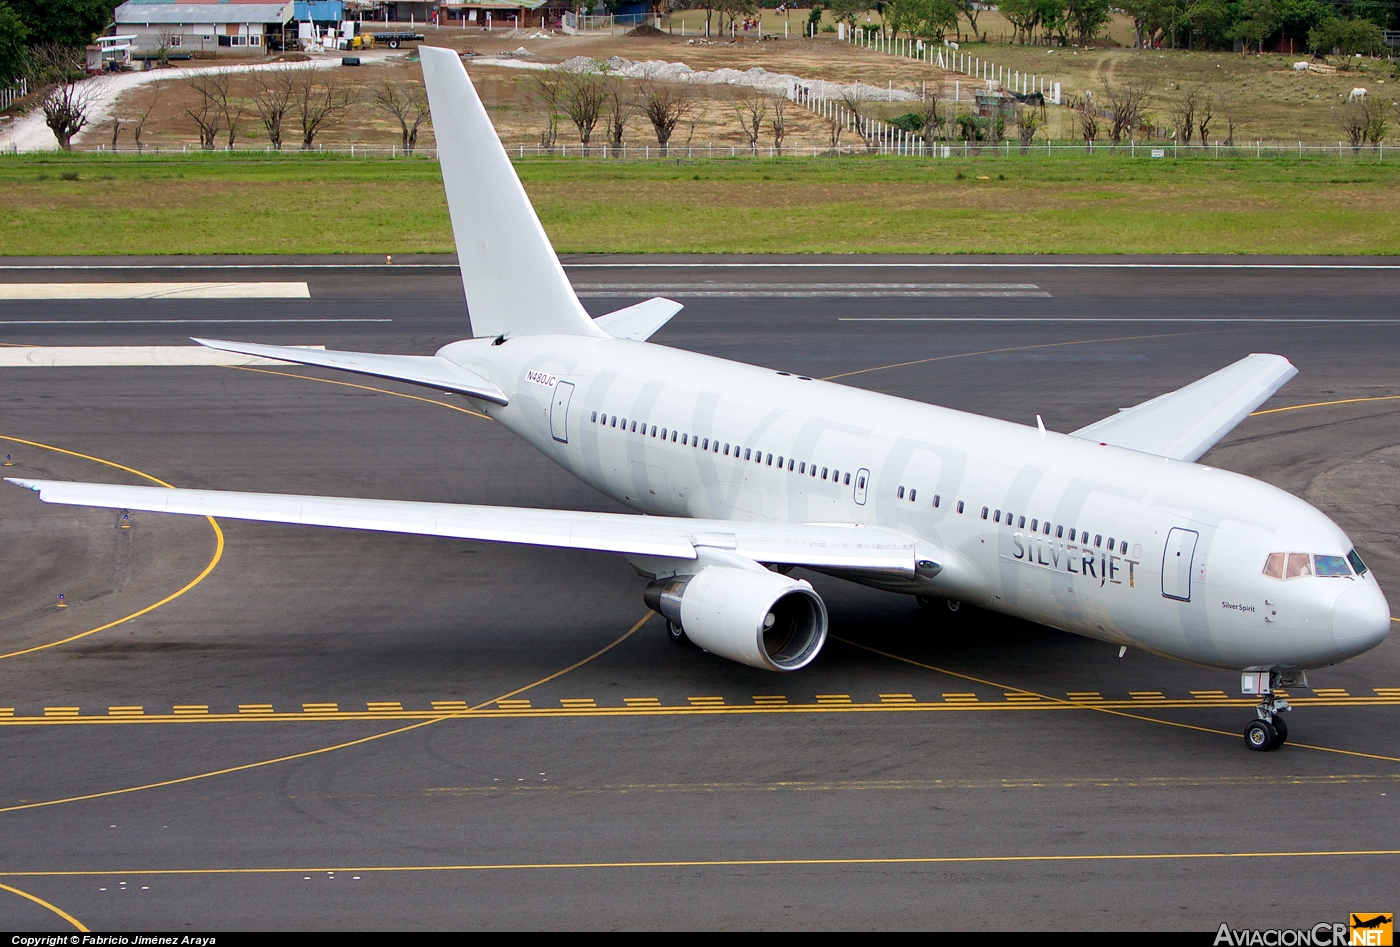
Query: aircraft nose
[[1360, 619]]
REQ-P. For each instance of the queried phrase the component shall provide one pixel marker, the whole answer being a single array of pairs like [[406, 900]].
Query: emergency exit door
[[559, 411], [1176, 564]]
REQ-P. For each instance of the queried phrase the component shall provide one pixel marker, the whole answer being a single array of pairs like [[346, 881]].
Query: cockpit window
[[1356, 562], [1331, 565], [1299, 563], [1273, 566]]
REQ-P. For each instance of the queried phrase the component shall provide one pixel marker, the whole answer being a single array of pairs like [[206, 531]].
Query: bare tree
[[116, 132], [545, 87], [67, 106], [1183, 113], [230, 108], [835, 127], [779, 122], [855, 101], [620, 106], [156, 89], [204, 111], [317, 103], [1229, 110], [1088, 118], [665, 106], [1027, 124], [273, 92], [1350, 119], [751, 107], [1205, 112], [582, 95], [928, 114], [408, 104], [1124, 106], [165, 38]]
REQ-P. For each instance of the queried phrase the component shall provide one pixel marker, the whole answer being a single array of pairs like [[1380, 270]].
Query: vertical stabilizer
[[513, 281]]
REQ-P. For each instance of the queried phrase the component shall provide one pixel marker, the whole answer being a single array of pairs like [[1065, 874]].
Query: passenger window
[[935, 501], [1098, 540], [1071, 534], [997, 518], [769, 460], [663, 433], [614, 420], [1046, 530], [960, 506], [1111, 544], [791, 464], [814, 470], [1298, 565], [748, 454], [824, 470], [780, 461], [685, 438], [1059, 532], [594, 419], [913, 494], [847, 482], [835, 476], [1331, 565], [901, 493], [726, 450], [634, 427], [1123, 547], [984, 513], [1356, 562], [802, 467], [1021, 524], [1273, 565], [1035, 526]]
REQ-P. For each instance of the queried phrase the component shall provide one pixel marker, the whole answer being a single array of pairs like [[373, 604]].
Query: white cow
[[1356, 95], [1300, 66]]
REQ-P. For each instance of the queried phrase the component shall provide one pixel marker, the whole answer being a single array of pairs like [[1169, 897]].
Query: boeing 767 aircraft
[[1113, 532]]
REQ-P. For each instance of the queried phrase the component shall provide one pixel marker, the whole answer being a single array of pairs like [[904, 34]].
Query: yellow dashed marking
[[1082, 696], [384, 706], [7, 711], [320, 708], [577, 703], [1382, 691], [126, 711], [1147, 695], [642, 701], [897, 698], [1022, 698], [60, 711], [519, 704], [706, 701], [191, 710], [833, 698], [453, 706], [960, 698], [1330, 692], [768, 700], [255, 708], [1210, 695]]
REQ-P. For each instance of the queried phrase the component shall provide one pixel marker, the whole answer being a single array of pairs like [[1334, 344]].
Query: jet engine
[[752, 616]]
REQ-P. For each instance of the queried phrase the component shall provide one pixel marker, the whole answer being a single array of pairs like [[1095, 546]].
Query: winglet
[[512, 278]]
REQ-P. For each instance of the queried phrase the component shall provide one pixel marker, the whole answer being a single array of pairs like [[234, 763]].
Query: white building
[[234, 29]]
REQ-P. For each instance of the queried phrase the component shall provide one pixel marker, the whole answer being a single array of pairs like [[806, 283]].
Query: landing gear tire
[[1261, 736], [676, 633], [943, 607], [1280, 728]]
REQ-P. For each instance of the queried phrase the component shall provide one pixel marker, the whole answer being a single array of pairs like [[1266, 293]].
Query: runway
[[237, 725]]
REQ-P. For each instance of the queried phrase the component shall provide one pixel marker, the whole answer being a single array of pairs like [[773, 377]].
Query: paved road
[[354, 731]]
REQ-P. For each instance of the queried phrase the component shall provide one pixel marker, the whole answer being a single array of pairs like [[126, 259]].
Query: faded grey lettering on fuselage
[[1054, 555]]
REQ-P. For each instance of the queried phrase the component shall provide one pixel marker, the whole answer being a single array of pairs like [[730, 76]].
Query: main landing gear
[[1268, 731], [945, 607]]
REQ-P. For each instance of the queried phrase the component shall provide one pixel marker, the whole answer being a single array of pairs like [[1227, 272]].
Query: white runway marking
[[714, 290], [168, 322], [126, 356], [1270, 321], [253, 290]]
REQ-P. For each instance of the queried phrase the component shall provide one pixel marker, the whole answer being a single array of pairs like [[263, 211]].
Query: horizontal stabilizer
[[430, 371], [639, 322], [1186, 423], [817, 545]]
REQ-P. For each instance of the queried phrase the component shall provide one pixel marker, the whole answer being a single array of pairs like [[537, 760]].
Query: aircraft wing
[[817, 545], [430, 371], [639, 322], [1186, 423]]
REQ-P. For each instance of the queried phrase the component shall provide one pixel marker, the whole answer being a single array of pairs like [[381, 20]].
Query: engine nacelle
[[755, 617]]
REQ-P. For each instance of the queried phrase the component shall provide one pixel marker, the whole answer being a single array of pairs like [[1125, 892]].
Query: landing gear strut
[[1268, 731]]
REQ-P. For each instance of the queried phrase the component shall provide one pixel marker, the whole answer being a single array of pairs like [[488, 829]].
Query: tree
[[1346, 37], [582, 95], [545, 88], [665, 106], [1087, 17], [853, 98], [1205, 112], [848, 10], [273, 92], [67, 106], [779, 122], [751, 107], [620, 106], [1183, 113], [204, 111], [317, 103], [156, 89], [1023, 15], [71, 23], [1027, 124], [1088, 119], [1229, 110], [406, 102], [971, 9], [1125, 106], [1258, 19], [13, 34]]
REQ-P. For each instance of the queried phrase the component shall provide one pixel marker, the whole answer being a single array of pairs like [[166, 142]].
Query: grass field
[[95, 204]]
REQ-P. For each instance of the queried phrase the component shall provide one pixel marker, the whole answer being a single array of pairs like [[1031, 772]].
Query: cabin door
[[1176, 563]]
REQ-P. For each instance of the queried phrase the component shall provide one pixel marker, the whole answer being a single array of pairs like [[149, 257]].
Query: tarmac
[[252, 726]]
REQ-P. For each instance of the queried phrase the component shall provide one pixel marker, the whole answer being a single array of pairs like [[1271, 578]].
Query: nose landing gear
[[1268, 731]]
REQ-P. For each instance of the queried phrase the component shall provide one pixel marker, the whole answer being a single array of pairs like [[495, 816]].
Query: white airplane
[[1113, 532]]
